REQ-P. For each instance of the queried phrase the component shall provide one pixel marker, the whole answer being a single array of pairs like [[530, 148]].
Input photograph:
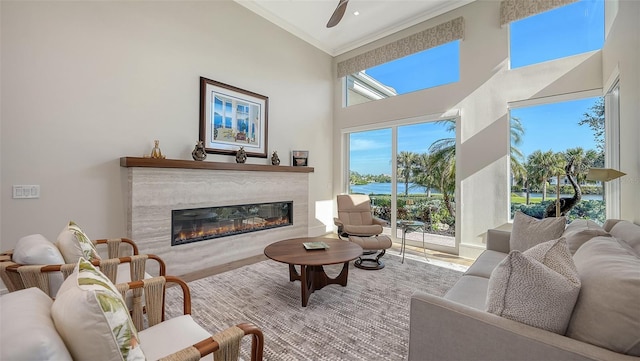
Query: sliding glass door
[[409, 173]]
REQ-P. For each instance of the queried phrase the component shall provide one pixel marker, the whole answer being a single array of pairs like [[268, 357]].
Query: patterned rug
[[366, 320]]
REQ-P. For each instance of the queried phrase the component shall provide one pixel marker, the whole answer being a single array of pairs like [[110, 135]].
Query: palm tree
[[443, 165], [516, 157], [544, 165], [581, 163], [407, 162], [423, 174]]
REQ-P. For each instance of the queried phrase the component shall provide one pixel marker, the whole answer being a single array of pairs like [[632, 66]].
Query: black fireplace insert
[[199, 224]]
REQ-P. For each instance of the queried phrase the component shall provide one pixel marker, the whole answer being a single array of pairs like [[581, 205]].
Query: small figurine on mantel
[[275, 160], [241, 155], [156, 152], [199, 152]]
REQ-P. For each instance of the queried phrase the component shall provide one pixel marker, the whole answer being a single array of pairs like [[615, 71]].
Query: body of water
[[385, 188]]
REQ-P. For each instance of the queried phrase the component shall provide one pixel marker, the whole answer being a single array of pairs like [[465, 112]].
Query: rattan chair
[[35, 334], [225, 345], [131, 268]]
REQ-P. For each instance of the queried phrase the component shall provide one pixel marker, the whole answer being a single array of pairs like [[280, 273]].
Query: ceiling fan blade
[[338, 13]]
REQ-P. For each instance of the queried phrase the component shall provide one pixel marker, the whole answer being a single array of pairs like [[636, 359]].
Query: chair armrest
[[445, 330], [113, 245], [209, 345], [337, 222], [380, 221], [498, 240]]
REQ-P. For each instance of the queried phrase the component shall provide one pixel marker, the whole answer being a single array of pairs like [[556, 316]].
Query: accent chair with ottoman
[[356, 223]]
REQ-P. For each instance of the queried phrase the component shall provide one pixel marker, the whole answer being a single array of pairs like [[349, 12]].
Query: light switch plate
[[26, 191]]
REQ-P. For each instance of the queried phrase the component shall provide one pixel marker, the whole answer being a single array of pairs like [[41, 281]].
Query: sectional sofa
[[603, 319]]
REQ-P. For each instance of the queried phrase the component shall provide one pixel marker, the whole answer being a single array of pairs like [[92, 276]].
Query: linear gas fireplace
[[194, 225]]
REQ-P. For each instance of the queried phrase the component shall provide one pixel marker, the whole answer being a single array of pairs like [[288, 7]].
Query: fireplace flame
[[225, 228]]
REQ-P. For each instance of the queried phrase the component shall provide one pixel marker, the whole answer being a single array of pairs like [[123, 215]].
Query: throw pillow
[[27, 331], [628, 231], [35, 249], [538, 287], [74, 244], [528, 231], [607, 313], [92, 318], [580, 231]]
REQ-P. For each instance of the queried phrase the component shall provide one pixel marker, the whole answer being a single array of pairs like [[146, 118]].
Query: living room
[[109, 78]]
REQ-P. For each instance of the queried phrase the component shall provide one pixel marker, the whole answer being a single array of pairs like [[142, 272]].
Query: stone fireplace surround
[[157, 186]]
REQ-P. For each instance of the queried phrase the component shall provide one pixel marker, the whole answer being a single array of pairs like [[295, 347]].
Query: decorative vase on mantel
[[241, 155], [275, 160], [199, 153]]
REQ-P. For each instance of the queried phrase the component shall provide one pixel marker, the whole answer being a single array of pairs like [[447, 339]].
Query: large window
[[426, 69], [423, 188], [568, 30], [558, 142]]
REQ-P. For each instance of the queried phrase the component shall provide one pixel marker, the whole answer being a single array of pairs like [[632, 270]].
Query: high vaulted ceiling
[[307, 19]]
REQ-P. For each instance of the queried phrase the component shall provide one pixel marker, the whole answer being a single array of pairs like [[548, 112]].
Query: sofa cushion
[[74, 244], [528, 231], [27, 331], [470, 291], [538, 287], [607, 313], [162, 339], [35, 249], [92, 318], [628, 232], [580, 231], [486, 263]]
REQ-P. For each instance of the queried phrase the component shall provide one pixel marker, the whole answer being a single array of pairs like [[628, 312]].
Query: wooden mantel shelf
[[192, 164]]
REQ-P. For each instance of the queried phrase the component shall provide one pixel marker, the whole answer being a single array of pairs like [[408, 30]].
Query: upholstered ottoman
[[371, 245]]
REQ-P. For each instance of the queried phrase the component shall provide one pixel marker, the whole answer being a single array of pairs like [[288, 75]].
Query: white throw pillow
[[74, 244], [35, 249], [27, 331], [92, 318], [579, 231], [528, 231], [538, 287]]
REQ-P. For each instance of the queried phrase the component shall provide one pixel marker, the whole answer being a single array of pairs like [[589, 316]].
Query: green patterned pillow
[[92, 318], [73, 243]]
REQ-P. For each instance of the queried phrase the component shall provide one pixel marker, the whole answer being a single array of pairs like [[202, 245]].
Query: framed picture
[[300, 158], [231, 118]]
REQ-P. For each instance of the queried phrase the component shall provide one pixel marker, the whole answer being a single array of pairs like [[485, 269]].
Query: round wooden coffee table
[[312, 276]]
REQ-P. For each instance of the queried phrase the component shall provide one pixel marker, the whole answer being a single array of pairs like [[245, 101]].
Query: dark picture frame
[[300, 158], [231, 118]]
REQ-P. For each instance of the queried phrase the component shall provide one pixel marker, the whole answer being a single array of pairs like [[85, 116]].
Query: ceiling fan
[[338, 13]]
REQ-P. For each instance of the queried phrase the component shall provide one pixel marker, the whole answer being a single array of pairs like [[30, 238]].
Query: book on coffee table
[[311, 246]]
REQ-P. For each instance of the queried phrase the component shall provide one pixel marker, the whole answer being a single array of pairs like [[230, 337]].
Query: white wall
[[482, 95], [85, 83], [621, 54]]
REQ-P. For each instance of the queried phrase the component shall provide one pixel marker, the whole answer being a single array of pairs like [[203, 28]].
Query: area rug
[[366, 320]]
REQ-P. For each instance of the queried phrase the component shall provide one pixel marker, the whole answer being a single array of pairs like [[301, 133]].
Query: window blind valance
[[512, 10], [432, 37]]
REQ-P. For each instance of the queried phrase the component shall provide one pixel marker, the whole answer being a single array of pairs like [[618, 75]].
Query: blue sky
[[568, 30]]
